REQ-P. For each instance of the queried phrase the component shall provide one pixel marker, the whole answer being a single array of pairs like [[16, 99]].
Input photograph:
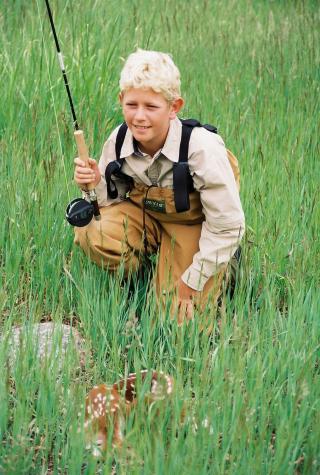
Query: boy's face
[[148, 114]]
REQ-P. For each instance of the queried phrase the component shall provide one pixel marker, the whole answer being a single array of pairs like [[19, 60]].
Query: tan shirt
[[213, 178]]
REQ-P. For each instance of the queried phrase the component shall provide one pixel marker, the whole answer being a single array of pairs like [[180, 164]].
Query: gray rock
[[48, 340]]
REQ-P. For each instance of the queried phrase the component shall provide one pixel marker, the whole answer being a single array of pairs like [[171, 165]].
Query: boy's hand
[[85, 175], [184, 302]]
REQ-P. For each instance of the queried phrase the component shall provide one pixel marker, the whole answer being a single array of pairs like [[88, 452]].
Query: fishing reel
[[79, 212]]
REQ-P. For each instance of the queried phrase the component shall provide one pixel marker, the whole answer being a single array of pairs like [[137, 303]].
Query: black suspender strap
[[120, 139], [180, 186], [113, 168], [182, 180], [187, 127]]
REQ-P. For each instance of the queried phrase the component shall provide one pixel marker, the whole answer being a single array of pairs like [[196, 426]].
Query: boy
[[194, 245]]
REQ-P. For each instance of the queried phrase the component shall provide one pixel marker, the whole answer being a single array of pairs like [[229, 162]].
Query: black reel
[[79, 212]]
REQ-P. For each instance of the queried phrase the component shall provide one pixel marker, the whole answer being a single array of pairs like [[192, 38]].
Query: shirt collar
[[170, 148], [136, 149]]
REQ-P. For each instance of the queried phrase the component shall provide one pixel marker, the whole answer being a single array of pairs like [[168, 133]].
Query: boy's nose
[[140, 114]]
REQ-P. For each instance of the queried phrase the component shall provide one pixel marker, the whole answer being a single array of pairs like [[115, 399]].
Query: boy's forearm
[[216, 250]]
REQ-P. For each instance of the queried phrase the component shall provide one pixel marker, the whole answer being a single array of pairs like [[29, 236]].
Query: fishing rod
[[80, 211]]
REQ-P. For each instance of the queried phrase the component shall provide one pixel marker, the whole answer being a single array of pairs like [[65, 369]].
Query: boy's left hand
[[184, 302]]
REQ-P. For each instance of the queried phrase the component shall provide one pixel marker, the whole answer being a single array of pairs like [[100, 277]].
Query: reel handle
[[83, 151], [84, 155]]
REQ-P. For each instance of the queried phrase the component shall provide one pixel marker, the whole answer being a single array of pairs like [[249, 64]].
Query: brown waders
[[117, 239]]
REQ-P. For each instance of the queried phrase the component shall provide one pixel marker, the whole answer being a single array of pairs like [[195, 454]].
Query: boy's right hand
[[86, 175]]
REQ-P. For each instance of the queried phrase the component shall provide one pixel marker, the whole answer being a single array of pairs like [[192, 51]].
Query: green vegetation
[[252, 69]]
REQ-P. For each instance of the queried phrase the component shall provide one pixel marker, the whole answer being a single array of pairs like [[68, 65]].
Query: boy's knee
[[107, 249], [93, 238]]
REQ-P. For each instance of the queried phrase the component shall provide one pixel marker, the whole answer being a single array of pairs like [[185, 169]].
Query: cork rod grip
[[82, 151]]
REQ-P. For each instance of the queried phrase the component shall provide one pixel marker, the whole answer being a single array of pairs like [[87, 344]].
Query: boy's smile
[[148, 114]]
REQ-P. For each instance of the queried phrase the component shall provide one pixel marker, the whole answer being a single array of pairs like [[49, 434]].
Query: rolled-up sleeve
[[224, 222]]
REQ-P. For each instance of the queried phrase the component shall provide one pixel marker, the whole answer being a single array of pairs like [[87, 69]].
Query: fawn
[[106, 408]]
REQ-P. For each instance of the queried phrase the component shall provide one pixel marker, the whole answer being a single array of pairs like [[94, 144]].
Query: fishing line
[[53, 102]]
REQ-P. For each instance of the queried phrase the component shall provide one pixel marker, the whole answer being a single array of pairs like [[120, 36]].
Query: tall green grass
[[252, 69]]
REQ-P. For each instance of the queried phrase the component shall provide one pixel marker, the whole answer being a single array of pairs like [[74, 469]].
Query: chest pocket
[[159, 203]]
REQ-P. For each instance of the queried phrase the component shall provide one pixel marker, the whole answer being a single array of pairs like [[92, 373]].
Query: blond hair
[[151, 69]]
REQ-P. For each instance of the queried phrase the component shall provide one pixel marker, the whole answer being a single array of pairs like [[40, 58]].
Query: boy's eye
[[132, 105]]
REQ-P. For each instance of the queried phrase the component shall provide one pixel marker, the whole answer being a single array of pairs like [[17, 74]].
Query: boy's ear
[[176, 106], [120, 97]]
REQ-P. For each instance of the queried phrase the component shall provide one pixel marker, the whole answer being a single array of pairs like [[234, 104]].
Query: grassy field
[[252, 69]]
